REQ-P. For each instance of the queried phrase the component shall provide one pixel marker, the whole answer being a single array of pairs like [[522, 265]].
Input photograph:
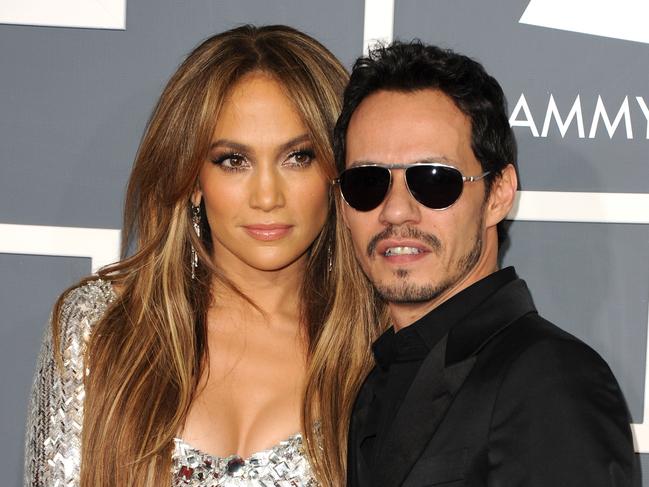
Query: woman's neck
[[273, 292]]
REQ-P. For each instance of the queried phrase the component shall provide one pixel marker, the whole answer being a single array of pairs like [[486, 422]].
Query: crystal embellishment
[[283, 465], [235, 462]]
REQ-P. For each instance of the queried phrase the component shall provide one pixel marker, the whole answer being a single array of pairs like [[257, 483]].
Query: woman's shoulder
[[90, 297], [82, 307], [53, 436]]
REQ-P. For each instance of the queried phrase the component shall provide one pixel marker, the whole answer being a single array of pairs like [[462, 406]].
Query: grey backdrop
[[74, 103]]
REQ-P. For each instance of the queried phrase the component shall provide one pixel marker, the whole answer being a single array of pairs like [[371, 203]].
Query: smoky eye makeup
[[230, 161], [301, 157], [230, 156]]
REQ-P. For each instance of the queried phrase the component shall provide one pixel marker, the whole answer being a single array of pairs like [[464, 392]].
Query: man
[[472, 387]]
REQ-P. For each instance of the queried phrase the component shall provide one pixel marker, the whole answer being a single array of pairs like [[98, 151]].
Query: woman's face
[[265, 195]]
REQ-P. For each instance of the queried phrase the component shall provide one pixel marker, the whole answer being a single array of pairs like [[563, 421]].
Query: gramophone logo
[[619, 19]]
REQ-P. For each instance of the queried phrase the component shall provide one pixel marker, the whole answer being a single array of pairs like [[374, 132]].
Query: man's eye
[[301, 158], [231, 162]]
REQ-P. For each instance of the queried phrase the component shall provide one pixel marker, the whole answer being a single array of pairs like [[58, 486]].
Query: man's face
[[412, 253]]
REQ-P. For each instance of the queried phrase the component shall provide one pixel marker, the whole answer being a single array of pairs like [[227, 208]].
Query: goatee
[[404, 292]]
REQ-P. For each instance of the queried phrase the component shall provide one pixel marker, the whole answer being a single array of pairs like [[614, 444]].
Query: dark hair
[[411, 66]]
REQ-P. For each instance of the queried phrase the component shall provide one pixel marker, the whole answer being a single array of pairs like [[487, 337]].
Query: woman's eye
[[301, 158], [231, 162]]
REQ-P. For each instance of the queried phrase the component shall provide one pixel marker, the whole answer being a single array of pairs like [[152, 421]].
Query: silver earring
[[196, 223], [330, 258]]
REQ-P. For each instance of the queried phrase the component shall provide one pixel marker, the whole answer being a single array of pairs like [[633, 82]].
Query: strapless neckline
[[297, 437], [284, 461]]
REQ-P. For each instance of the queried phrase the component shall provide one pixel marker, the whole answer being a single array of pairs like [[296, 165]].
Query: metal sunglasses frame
[[389, 167]]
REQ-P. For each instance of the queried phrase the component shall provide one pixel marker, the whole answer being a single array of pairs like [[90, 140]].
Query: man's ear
[[501, 196]]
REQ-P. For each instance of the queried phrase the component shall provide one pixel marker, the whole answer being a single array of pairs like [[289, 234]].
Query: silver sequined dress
[[55, 418]]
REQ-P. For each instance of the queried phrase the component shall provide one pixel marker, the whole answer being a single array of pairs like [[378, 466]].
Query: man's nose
[[399, 206]]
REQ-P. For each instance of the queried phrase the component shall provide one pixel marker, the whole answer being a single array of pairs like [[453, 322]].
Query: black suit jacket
[[505, 399]]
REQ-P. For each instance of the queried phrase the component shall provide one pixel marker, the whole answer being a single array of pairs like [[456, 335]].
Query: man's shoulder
[[532, 330], [534, 347]]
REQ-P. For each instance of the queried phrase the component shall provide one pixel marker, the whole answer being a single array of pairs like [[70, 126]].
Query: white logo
[[619, 19], [632, 111]]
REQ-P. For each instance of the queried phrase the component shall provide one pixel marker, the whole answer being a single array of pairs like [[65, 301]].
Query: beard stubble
[[404, 292]]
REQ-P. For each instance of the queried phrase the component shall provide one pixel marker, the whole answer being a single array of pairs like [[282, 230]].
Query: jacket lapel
[[441, 375], [489, 319], [422, 410]]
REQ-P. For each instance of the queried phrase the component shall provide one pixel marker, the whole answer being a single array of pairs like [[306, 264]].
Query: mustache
[[404, 232]]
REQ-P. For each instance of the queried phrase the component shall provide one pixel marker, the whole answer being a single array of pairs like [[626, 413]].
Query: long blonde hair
[[145, 354]]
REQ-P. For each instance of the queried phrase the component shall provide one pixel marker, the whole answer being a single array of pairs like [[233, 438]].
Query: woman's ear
[[197, 196]]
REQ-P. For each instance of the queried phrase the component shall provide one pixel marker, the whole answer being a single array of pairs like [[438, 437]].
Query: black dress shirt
[[399, 355]]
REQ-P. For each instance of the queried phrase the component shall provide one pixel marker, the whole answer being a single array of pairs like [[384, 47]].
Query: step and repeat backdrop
[[78, 79]]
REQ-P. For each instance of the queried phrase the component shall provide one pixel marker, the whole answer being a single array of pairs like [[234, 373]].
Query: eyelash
[[220, 160], [310, 153]]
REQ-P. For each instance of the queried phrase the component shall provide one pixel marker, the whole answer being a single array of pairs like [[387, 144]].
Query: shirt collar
[[414, 341], [406, 345], [384, 349]]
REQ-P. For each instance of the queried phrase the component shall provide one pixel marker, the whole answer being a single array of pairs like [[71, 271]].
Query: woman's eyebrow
[[230, 144], [294, 141], [246, 148]]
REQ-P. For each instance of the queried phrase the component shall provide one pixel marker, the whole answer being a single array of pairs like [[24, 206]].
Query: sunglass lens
[[364, 187], [436, 187]]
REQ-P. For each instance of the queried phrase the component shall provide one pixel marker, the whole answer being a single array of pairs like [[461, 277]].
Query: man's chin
[[409, 292]]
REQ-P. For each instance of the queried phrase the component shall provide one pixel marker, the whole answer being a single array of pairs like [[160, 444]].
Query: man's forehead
[[394, 127], [392, 102]]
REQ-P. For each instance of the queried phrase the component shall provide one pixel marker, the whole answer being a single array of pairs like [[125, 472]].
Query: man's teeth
[[402, 251]]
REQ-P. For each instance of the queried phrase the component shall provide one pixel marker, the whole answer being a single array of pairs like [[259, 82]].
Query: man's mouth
[[390, 251], [403, 242]]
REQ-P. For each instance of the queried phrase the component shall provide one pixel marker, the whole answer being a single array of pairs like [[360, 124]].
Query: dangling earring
[[330, 258], [196, 223]]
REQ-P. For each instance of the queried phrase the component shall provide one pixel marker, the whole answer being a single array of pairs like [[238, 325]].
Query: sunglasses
[[434, 185]]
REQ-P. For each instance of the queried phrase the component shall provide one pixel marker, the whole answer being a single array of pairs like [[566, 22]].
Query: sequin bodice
[[55, 418], [282, 465]]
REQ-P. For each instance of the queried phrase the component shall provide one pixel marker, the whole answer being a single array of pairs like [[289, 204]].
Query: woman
[[198, 359]]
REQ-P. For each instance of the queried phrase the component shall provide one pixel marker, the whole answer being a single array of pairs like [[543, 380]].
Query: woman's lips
[[268, 232]]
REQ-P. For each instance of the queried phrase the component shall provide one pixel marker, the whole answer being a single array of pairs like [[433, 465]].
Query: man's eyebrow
[[435, 160], [231, 144], [426, 160], [364, 163]]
